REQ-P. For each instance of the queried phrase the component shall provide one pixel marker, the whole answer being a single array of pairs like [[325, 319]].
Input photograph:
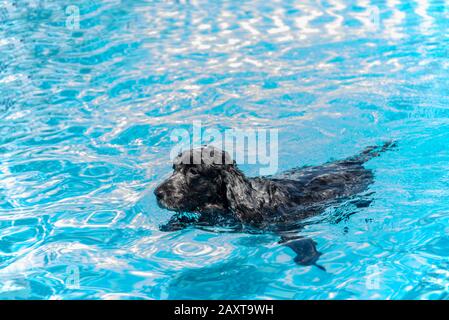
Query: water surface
[[85, 122]]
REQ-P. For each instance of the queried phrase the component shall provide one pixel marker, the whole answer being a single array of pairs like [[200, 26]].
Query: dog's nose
[[159, 193]]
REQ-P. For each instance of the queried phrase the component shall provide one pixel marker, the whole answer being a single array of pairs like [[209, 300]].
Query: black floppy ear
[[235, 186], [242, 200]]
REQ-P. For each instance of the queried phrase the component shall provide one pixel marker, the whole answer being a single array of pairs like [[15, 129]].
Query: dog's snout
[[159, 193]]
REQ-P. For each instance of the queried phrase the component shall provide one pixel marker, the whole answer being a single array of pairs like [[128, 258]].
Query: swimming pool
[[87, 107]]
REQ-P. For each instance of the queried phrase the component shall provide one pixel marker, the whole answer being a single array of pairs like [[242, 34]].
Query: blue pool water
[[86, 115]]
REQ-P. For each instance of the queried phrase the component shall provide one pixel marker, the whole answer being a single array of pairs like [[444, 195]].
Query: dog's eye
[[194, 171]]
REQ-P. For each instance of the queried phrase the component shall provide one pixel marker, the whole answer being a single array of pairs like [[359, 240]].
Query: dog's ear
[[241, 197], [236, 187]]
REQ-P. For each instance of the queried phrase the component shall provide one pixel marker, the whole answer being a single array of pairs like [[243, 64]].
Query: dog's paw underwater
[[207, 188]]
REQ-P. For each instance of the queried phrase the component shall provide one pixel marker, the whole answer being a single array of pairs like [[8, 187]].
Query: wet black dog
[[207, 182]]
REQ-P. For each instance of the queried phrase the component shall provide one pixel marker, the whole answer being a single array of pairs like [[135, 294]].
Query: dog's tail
[[372, 152]]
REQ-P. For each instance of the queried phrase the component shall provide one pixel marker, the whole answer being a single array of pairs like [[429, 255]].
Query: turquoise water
[[86, 115]]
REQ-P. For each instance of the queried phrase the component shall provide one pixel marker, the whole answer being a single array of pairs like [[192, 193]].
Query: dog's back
[[310, 189]]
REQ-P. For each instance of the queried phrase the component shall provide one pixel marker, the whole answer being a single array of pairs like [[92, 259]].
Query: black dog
[[207, 182]]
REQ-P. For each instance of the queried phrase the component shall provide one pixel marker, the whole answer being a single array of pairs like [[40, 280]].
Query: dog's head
[[198, 183]]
